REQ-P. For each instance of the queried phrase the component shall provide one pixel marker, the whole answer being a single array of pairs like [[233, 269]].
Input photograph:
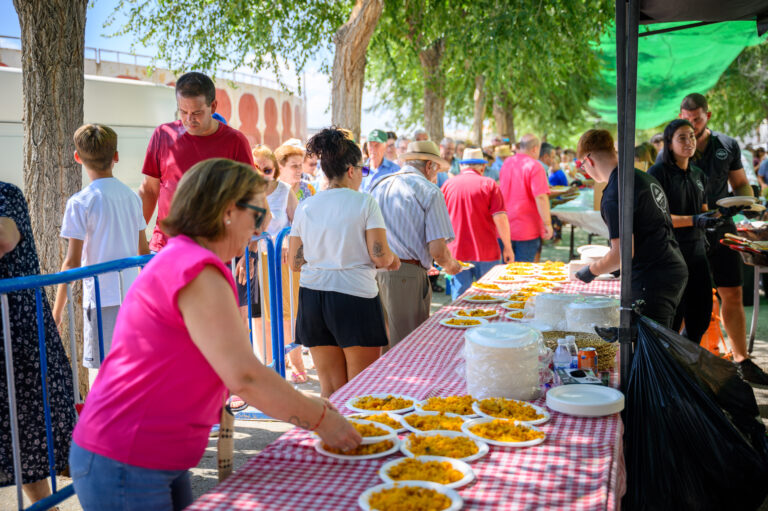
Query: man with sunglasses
[[176, 146], [377, 164]]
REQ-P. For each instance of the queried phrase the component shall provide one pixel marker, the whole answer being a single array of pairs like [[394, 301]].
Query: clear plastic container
[[502, 360]]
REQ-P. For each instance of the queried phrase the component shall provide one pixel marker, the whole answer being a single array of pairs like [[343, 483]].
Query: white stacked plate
[[585, 400]]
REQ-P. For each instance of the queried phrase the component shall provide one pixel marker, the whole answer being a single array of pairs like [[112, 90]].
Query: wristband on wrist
[[322, 416]]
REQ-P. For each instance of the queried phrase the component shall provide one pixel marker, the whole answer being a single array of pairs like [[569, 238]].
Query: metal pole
[[44, 385], [99, 326], [247, 256], [12, 399], [626, 89], [262, 295], [73, 345]]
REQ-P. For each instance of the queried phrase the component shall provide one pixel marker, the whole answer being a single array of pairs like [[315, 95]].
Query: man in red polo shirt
[[525, 188], [176, 146], [477, 212]]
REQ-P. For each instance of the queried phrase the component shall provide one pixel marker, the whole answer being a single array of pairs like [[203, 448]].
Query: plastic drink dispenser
[[502, 360]]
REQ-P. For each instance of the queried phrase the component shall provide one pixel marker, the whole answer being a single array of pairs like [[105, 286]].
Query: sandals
[[236, 403], [299, 377]]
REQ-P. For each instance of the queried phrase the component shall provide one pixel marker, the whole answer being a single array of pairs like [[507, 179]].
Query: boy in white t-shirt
[[102, 222]]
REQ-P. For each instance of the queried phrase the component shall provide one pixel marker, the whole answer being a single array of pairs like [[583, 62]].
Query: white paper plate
[[456, 501], [509, 315], [539, 410], [410, 428], [395, 417], [350, 403], [391, 434], [396, 444], [466, 266], [419, 407], [739, 200], [465, 428], [445, 321], [457, 315], [484, 290], [465, 469], [495, 299], [482, 447], [585, 400], [508, 306]]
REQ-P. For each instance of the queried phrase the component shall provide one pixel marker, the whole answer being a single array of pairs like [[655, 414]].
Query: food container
[[502, 360], [591, 253], [584, 314], [550, 308]]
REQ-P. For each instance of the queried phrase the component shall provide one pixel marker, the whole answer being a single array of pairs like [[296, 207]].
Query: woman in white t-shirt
[[338, 240]]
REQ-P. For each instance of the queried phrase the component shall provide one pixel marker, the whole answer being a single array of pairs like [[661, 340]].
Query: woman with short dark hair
[[338, 240], [179, 344]]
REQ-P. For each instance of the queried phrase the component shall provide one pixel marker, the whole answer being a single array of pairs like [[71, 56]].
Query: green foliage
[[739, 100], [539, 54], [214, 35]]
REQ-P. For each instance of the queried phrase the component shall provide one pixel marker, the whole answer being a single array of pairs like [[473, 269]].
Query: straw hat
[[425, 150], [473, 156], [502, 151]]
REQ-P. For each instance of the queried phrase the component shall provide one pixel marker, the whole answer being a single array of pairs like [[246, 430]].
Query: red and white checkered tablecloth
[[579, 467]]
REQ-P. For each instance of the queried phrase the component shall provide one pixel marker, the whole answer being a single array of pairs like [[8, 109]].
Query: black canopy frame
[[629, 15]]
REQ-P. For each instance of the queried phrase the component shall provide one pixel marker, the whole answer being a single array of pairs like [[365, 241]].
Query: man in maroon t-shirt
[[176, 146], [478, 216]]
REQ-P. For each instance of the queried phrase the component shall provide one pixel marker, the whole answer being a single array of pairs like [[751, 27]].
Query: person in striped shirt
[[418, 230]]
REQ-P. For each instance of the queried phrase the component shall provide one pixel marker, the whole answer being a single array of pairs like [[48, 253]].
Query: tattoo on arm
[[378, 250], [298, 259], [298, 422]]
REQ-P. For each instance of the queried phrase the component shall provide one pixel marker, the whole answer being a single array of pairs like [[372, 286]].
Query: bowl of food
[[387, 418], [451, 444], [476, 313], [361, 452], [417, 422], [393, 403], [411, 495], [449, 472], [503, 432], [457, 405], [510, 409], [463, 323]]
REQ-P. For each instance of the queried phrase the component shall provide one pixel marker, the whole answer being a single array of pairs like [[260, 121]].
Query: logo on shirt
[[659, 197], [721, 154], [700, 185]]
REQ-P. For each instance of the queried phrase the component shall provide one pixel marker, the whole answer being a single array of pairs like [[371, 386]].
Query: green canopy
[[670, 66]]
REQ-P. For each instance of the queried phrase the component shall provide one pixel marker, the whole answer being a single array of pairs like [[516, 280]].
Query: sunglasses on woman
[[365, 169], [267, 171], [258, 213]]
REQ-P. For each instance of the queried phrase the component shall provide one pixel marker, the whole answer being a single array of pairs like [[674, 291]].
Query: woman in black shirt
[[685, 185]]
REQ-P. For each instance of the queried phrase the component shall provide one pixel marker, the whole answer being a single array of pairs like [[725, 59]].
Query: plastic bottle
[[574, 350], [562, 358]]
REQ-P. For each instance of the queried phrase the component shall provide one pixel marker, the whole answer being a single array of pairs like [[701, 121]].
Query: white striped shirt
[[415, 212]]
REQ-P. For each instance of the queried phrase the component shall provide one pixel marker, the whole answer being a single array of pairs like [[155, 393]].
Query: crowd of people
[[368, 226]]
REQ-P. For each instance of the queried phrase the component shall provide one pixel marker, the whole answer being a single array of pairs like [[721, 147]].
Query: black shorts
[[328, 318], [727, 268]]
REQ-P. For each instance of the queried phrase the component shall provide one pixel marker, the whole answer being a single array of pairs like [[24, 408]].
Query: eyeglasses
[[267, 171], [258, 213], [583, 161], [365, 169]]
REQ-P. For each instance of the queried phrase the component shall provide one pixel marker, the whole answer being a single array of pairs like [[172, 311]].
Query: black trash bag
[[693, 439]]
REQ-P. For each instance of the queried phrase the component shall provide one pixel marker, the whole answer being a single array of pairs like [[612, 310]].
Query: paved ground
[[253, 436]]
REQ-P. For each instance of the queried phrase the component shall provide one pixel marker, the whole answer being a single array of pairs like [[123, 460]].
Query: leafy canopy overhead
[[216, 35]]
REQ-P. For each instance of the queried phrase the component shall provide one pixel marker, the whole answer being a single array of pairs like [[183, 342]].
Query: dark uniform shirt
[[656, 250], [721, 157], [686, 193]]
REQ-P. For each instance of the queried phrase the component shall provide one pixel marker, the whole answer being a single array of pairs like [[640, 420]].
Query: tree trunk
[[348, 73], [477, 123], [52, 45], [509, 113], [500, 117], [434, 89]]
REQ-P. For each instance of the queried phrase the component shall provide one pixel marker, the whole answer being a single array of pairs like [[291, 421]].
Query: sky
[[317, 85]]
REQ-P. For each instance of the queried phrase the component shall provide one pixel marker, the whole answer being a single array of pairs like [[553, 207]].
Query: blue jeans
[[463, 280], [525, 251], [102, 483]]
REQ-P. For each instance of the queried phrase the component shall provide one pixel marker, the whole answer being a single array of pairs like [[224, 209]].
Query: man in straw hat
[[418, 230], [477, 212], [501, 153]]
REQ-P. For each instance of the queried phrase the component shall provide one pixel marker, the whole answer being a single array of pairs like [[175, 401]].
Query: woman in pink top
[[179, 344]]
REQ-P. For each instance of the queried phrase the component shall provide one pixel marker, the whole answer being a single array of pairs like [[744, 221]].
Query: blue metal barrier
[[37, 282]]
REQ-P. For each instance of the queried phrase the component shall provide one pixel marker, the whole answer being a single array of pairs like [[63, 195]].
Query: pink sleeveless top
[[156, 396]]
